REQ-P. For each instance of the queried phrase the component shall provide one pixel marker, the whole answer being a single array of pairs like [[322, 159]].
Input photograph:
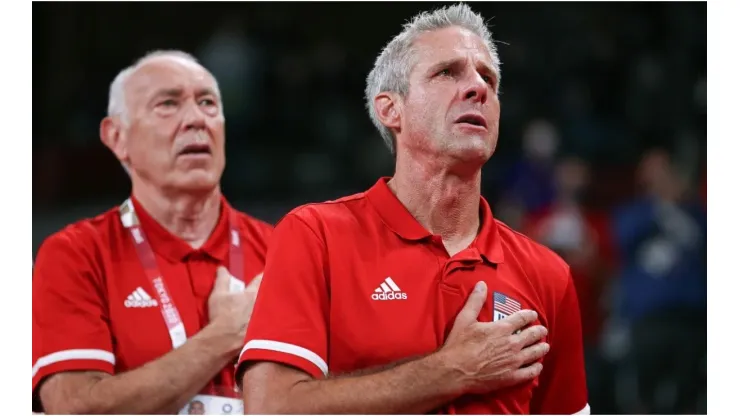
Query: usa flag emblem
[[504, 306]]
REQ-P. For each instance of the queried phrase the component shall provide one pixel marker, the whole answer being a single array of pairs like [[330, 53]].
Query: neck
[[191, 217], [446, 202]]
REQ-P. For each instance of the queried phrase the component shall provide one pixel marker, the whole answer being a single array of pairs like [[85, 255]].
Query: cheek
[[154, 148], [219, 136], [421, 114], [495, 107]]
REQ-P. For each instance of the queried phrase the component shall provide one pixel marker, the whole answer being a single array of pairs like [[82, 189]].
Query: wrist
[[452, 380], [219, 340]]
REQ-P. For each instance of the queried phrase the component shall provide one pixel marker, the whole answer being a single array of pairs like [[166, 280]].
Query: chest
[[388, 306], [400, 303], [138, 328]]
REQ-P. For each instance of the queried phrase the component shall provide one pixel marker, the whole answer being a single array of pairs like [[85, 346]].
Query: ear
[[112, 137], [387, 108]]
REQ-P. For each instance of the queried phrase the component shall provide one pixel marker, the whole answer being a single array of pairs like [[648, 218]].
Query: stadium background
[[589, 92]]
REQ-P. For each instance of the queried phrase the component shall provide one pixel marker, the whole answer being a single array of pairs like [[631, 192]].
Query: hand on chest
[[396, 309], [151, 314]]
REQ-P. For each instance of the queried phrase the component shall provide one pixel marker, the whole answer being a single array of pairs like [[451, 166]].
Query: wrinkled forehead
[[448, 44], [168, 73]]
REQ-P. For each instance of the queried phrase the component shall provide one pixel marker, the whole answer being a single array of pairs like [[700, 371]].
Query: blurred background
[[601, 156]]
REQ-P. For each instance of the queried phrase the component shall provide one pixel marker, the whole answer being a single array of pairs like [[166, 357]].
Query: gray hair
[[393, 66], [117, 95]]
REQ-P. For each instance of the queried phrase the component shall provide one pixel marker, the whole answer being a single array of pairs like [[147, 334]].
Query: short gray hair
[[393, 66], [117, 94]]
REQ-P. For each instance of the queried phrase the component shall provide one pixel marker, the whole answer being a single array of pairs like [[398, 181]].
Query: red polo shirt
[[94, 308], [358, 283]]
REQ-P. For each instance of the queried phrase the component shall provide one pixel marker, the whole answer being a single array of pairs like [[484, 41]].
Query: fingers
[[223, 280], [473, 305], [236, 285], [254, 285], [226, 283], [517, 320], [532, 353], [531, 335], [522, 375]]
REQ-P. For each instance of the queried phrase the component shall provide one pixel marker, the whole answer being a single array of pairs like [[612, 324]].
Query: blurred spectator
[[661, 237], [238, 65], [530, 180], [581, 236]]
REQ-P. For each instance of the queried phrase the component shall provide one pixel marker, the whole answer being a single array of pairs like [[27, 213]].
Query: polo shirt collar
[[393, 213], [396, 217], [488, 241], [173, 248]]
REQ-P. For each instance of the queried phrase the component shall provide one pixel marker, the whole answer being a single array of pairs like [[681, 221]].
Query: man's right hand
[[230, 311], [183, 371], [493, 355]]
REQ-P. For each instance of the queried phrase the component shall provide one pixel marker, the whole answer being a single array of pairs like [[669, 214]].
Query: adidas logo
[[139, 299], [388, 290]]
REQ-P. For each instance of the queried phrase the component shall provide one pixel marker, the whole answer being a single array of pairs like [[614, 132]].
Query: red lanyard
[[146, 256]]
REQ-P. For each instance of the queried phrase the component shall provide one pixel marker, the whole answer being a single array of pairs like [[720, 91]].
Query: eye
[[445, 72], [489, 80], [168, 103], [207, 101]]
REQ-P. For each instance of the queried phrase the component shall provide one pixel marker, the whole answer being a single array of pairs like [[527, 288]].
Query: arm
[[286, 348], [283, 366], [413, 387], [73, 360], [477, 358], [161, 386]]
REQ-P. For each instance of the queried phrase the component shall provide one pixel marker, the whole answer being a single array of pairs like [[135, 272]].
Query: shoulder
[[84, 236], [329, 215], [543, 266], [74, 255]]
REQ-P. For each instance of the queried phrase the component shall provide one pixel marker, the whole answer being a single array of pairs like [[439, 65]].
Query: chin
[[472, 149], [472, 157], [198, 181]]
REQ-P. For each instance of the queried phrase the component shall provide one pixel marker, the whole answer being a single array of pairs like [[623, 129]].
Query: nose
[[476, 89], [193, 117]]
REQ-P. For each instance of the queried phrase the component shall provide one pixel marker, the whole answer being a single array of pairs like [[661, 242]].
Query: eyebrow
[[177, 92], [168, 92], [456, 61], [444, 64], [205, 91]]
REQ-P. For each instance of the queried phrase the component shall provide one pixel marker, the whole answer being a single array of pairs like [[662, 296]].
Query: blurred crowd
[[601, 154], [639, 267]]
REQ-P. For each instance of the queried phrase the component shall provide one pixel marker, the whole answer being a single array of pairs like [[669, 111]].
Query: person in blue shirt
[[661, 239]]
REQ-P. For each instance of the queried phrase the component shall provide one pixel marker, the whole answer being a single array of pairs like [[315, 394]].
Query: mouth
[[473, 120], [195, 150]]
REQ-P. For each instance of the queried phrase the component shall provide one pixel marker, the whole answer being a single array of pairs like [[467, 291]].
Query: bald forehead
[[171, 60], [168, 73], [168, 66]]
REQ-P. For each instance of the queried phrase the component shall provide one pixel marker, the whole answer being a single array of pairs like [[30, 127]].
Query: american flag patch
[[504, 304]]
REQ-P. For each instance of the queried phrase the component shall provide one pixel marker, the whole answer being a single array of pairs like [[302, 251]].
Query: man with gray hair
[[144, 308], [410, 297]]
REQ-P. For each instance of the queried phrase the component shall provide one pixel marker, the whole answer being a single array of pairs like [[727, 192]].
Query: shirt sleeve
[[289, 322], [70, 321], [562, 383]]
